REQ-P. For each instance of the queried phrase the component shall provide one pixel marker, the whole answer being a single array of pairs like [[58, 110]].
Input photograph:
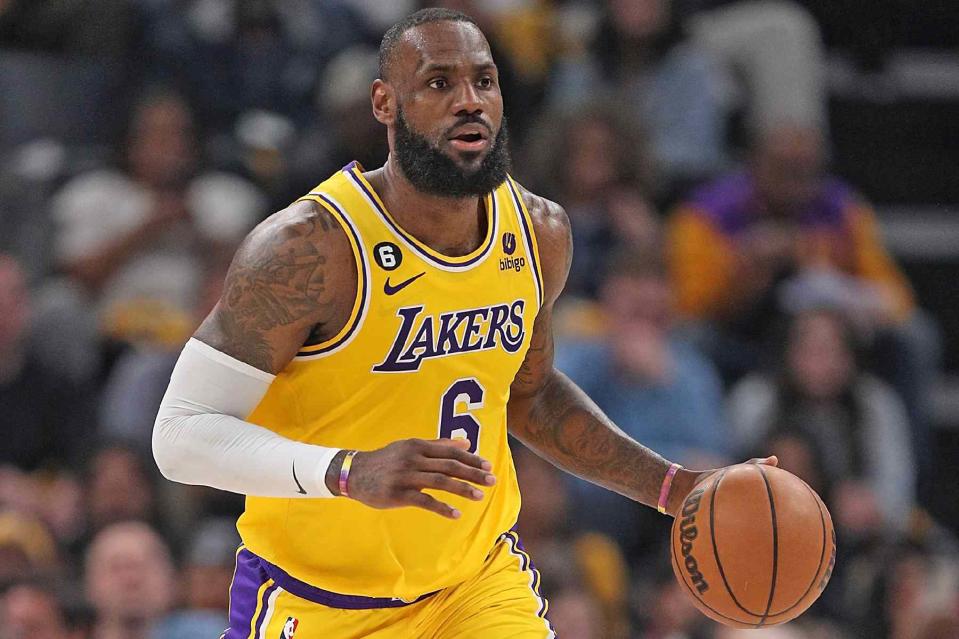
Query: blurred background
[[764, 196]]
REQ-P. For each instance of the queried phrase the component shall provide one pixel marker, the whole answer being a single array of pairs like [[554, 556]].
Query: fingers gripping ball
[[753, 545]]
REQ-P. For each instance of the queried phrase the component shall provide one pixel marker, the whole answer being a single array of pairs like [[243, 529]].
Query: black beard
[[431, 171]]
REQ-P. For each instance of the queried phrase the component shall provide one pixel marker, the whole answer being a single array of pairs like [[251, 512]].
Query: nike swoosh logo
[[298, 484], [390, 289]]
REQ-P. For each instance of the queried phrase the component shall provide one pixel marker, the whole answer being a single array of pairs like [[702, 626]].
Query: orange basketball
[[753, 545]]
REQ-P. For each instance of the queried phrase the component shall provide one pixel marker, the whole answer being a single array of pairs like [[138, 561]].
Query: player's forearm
[[563, 425], [224, 452], [200, 436]]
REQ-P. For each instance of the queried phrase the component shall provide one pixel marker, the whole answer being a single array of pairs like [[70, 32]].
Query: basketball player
[[374, 344]]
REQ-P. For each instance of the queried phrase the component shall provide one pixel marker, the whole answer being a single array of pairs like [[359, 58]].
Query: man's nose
[[468, 100]]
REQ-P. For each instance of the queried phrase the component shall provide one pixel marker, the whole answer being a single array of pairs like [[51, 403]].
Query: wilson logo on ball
[[689, 532]]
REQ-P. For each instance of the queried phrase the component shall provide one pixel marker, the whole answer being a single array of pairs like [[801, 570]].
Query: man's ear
[[383, 98]]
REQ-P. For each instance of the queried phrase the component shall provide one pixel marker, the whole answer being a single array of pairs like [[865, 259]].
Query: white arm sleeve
[[200, 436]]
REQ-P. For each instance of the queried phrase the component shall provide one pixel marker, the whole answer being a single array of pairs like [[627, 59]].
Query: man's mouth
[[470, 138]]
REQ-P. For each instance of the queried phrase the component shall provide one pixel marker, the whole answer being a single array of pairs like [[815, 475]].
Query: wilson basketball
[[753, 545]]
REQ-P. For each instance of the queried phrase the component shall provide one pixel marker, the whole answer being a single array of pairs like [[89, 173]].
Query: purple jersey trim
[[527, 239], [361, 267]]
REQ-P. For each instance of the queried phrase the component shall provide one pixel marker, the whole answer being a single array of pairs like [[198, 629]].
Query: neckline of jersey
[[355, 170]]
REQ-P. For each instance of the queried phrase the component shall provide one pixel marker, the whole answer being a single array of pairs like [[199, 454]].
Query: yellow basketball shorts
[[502, 601]]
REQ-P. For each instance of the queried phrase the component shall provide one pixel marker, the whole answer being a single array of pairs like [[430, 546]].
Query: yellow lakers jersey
[[430, 351]]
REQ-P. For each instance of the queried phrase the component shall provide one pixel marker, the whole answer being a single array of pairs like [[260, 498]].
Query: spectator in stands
[[782, 217], [44, 416], [131, 393], [664, 607], [209, 564], [592, 162], [129, 580], [34, 610], [346, 130], [119, 487], [206, 577], [574, 613], [42, 504], [135, 243], [26, 547], [586, 566], [653, 385], [238, 56], [919, 595], [773, 56], [668, 87], [784, 236], [855, 424]]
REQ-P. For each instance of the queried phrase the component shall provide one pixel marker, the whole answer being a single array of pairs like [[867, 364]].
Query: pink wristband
[[664, 490], [345, 472]]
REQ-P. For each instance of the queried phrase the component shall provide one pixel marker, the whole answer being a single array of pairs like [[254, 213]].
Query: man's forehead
[[444, 43]]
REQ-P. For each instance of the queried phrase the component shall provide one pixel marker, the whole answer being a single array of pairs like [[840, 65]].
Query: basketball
[[753, 545]]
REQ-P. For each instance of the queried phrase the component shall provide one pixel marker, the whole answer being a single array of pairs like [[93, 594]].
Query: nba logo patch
[[289, 628]]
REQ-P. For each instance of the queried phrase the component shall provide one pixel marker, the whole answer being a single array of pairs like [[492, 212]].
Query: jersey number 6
[[461, 425]]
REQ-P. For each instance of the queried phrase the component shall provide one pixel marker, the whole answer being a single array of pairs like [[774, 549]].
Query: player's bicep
[[286, 278]]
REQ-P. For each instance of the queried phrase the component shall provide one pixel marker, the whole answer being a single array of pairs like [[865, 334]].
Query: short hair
[[424, 16]]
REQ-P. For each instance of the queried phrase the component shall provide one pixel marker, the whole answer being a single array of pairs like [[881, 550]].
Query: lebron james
[[374, 344]]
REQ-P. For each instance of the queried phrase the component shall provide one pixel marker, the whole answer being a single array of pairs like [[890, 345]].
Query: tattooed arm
[[556, 419], [293, 275]]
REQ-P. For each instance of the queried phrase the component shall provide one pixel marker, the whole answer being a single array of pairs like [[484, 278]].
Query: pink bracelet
[[664, 490], [345, 472]]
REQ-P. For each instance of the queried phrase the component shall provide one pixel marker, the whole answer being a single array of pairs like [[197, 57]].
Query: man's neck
[[451, 226]]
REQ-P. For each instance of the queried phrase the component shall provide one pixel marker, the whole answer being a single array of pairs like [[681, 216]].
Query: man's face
[[32, 614], [637, 301], [162, 145], [448, 135], [129, 575], [789, 166]]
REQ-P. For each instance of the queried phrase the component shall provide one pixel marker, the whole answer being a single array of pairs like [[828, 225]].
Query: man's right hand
[[396, 475]]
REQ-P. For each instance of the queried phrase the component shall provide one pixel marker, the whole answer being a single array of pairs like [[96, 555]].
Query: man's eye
[[486, 82], [438, 83]]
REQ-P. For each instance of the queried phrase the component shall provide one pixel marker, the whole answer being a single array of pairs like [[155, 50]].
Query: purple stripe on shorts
[[247, 581], [527, 559], [306, 591], [263, 607]]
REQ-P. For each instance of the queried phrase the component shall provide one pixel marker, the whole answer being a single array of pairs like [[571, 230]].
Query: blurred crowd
[[729, 296]]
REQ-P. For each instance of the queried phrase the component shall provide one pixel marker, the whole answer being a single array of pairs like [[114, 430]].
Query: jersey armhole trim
[[529, 236], [361, 304]]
